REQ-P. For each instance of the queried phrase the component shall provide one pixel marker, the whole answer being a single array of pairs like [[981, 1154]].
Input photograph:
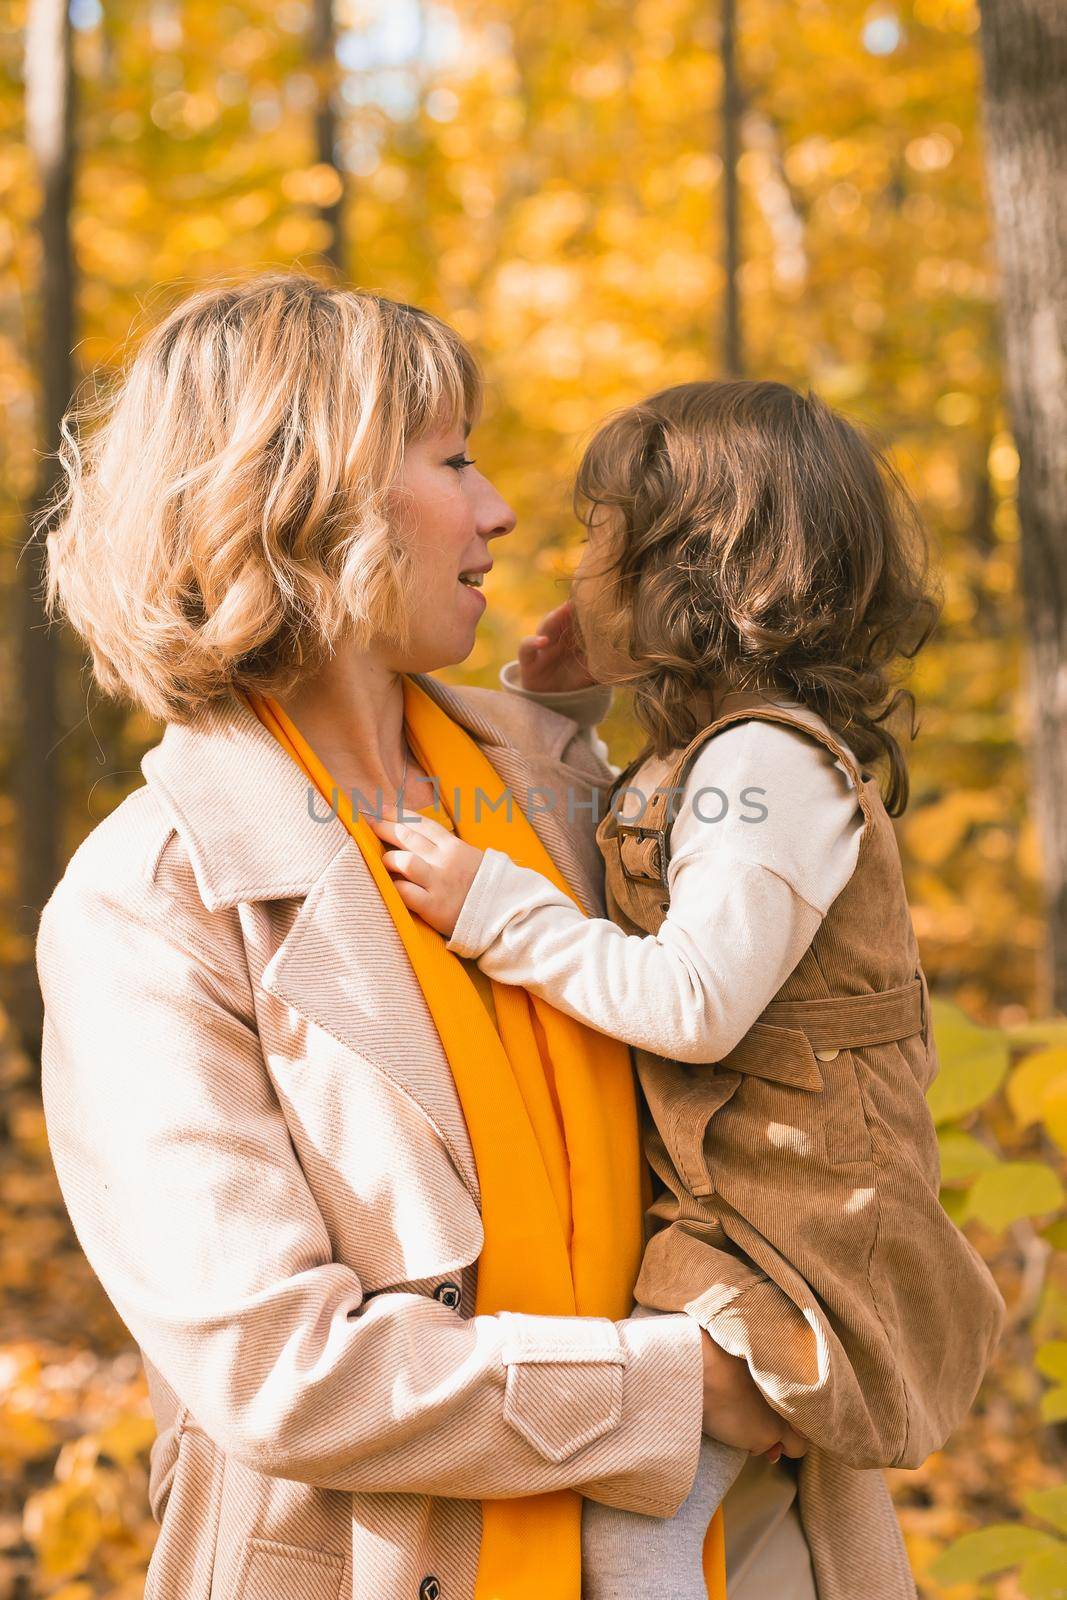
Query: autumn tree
[[323, 51], [1024, 50], [49, 123], [731, 224]]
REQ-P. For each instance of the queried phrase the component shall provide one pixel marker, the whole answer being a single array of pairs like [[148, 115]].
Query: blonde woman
[[373, 1225]]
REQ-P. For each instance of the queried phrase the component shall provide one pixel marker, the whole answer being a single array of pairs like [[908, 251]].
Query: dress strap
[[644, 845]]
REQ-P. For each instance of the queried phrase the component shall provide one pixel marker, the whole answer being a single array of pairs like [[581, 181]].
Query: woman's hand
[[432, 869], [736, 1413], [552, 661]]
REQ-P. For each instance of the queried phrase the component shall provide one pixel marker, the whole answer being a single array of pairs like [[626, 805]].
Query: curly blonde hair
[[222, 521], [758, 541]]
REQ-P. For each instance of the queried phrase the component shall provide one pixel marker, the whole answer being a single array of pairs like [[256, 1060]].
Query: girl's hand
[[433, 870], [735, 1411], [552, 661]]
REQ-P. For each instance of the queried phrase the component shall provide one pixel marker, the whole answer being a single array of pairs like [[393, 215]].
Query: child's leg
[[626, 1556]]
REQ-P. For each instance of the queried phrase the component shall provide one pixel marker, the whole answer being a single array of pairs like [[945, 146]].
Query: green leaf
[[962, 1156], [1056, 1234], [1044, 1576], [1012, 1190], [1051, 1360], [991, 1549], [1052, 1034], [973, 1062], [1054, 1405], [1032, 1078], [1054, 1110], [1051, 1317], [1050, 1505], [954, 1205]]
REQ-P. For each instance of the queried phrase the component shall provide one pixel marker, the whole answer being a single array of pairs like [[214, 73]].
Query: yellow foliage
[[939, 829], [316, 186], [553, 191], [126, 1438], [23, 1436], [64, 1525], [1054, 1111], [1031, 1081]]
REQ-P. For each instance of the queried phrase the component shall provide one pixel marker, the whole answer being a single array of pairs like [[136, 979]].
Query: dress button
[[429, 1589], [449, 1295], [827, 1055]]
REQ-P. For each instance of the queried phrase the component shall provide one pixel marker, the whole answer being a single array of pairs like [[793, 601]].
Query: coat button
[[827, 1055], [449, 1295], [429, 1589]]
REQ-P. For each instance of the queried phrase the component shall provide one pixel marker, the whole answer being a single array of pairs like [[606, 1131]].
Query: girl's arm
[[746, 899], [586, 706], [551, 669]]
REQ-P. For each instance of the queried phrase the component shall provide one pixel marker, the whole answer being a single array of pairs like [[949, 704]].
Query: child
[[753, 572]]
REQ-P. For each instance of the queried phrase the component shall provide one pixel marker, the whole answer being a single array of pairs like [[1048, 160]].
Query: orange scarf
[[550, 1107]]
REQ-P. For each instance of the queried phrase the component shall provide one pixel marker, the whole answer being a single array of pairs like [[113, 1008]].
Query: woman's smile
[[472, 579]]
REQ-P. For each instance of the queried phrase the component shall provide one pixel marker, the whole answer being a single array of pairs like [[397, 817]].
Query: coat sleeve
[[186, 1194], [586, 708]]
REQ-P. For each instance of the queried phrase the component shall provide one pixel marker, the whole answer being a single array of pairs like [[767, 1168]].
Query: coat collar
[[254, 831]]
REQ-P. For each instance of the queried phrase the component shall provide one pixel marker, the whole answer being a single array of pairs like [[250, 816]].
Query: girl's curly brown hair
[[759, 542]]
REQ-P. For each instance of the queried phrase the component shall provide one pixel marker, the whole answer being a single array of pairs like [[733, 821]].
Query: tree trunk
[[732, 361], [324, 57], [1024, 49], [38, 796]]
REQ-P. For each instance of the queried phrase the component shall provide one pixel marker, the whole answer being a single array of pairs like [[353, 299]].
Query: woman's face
[[449, 512]]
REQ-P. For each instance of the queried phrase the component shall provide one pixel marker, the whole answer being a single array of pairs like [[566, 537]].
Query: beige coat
[[263, 1154]]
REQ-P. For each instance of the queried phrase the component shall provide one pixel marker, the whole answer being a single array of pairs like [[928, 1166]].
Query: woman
[[379, 1363]]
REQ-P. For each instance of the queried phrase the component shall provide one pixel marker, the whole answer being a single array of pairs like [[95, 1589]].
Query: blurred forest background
[[604, 196]]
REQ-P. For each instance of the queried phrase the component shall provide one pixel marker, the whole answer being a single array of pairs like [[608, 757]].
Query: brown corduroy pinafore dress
[[797, 1213]]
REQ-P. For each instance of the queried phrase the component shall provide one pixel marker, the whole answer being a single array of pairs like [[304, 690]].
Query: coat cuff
[[662, 1416], [586, 707]]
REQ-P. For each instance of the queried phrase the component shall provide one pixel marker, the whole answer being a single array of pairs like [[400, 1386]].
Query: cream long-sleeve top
[[766, 835]]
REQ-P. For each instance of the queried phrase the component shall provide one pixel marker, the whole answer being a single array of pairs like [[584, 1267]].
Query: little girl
[[753, 571]]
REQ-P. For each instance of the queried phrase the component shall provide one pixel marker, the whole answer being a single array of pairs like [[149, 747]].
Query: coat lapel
[[255, 832]]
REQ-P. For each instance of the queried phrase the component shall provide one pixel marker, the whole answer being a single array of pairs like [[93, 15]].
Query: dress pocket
[[848, 1138], [682, 1100], [270, 1570]]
